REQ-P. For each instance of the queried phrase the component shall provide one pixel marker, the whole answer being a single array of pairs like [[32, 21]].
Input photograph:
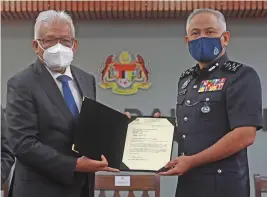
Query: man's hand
[[128, 114], [178, 166], [156, 115], [84, 164]]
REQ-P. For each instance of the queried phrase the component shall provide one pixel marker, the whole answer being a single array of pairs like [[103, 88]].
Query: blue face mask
[[205, 49]]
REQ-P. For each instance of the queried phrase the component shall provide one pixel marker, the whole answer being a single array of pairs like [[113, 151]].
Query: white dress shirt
[[73, 85]]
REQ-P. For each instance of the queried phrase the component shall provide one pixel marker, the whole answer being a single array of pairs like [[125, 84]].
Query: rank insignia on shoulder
[[185, 84], [232, 66], [187, 73], [212, 85]]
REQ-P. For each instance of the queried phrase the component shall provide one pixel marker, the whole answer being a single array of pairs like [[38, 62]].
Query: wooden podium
[[129, 183]]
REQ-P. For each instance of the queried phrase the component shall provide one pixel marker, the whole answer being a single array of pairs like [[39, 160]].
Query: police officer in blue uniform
[[219, 110]]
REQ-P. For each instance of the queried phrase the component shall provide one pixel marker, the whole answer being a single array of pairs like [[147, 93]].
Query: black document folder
[[102, 130]]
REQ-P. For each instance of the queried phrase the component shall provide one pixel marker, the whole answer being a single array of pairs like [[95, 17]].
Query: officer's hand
[[156, 115], [178, 166], [85, 164], [127, 114]]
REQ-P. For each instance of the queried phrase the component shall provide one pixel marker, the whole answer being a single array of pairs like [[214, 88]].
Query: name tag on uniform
[[212, 85]]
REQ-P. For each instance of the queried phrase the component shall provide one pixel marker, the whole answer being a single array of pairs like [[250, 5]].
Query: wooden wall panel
[[130, 9]]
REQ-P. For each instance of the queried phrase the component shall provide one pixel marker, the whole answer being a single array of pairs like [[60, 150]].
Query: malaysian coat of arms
[[125, 74]]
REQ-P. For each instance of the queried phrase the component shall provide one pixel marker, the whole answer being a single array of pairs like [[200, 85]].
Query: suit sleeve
[[244, 100], [22, 117], [94, 85], [7, 158]]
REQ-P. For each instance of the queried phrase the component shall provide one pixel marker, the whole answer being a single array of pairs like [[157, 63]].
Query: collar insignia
[[232, 66]]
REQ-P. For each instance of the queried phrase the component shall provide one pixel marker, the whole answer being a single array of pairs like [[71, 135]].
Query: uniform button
[[219, 171], [207, 99], [188, 101], [195, 86], [185, 118], [182, 153], [183, 136], [217, 64]]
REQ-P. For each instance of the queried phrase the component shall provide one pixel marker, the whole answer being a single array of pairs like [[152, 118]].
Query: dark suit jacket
[[42, 128], [7, 159]]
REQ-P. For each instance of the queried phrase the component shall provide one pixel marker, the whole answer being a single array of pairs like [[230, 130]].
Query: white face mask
[[57, 57]]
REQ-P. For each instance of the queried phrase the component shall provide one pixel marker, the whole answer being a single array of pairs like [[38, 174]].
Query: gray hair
[[218, 14], [49, 16]]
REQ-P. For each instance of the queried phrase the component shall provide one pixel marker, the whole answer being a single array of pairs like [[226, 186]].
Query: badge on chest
[[212, 85], [205, 108]]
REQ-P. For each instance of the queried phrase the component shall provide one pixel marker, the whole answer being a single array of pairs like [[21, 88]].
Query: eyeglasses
[[68, 42]]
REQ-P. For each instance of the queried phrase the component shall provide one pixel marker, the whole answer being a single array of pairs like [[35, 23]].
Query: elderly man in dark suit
[[43, 102], [7, 159]]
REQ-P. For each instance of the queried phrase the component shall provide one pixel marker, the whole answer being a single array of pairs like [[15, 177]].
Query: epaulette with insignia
[[232, 66], [188, 72]]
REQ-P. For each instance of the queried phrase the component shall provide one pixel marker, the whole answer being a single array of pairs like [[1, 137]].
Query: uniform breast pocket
[[180, 100], [179, 104], [211, 105]]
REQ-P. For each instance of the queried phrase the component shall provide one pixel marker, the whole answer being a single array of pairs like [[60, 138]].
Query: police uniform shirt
[[210, 103]]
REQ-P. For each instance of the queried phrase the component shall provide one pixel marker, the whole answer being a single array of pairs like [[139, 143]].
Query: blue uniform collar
[[212, 66]]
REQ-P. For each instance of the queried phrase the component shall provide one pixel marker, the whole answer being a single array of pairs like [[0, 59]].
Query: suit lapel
[[50, 87], [82, 82]]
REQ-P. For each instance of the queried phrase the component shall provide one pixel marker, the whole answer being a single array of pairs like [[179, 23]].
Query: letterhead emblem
[[125, 73]]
